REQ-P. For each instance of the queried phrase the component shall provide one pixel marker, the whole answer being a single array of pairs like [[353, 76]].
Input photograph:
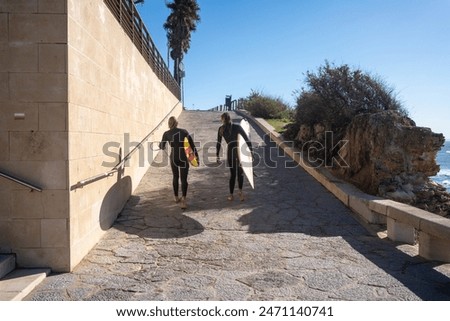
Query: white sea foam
[[443, 159], [444, 172]]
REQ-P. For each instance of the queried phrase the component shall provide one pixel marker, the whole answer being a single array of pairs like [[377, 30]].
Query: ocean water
[[443, 159]]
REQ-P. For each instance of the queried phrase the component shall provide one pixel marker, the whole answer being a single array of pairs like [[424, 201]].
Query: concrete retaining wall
[[87, 95]]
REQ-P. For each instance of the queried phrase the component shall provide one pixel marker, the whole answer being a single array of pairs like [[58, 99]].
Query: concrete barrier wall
[[85, 90]]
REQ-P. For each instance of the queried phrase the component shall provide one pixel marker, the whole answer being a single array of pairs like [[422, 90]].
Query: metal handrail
[[20, 181], [235, 105], [120, 165]]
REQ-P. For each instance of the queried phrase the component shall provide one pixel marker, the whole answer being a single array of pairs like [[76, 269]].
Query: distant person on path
[[178, 160], [229, 132]]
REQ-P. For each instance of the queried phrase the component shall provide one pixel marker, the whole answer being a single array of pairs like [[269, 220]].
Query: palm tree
[[138, 1], [179, 25]]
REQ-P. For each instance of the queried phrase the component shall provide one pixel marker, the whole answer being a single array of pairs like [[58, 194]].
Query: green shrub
[[267, 107], [337, 94], [333, 97]]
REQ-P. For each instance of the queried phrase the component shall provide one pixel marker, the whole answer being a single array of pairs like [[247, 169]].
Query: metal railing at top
[[128, 17], [234, 105], [21, 182], [121, 163]]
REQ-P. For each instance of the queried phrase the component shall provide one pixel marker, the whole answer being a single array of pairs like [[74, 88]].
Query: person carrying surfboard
[[230, 132], [178, 160]]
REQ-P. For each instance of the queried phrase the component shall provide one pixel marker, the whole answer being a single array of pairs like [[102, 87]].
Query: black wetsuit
[[178, 160], [230, 134]]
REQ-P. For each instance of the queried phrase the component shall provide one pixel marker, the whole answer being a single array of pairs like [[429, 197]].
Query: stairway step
[[19, 283], [7, 264]]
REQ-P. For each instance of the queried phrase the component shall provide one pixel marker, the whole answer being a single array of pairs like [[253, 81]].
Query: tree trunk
[[176, 70]]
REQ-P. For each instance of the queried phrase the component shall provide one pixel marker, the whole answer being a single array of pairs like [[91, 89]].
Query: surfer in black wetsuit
[[229, 132], [178, 160]]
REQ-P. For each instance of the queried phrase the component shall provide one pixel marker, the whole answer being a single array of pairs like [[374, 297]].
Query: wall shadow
[[114, 201], [417, 274], [303, 205]]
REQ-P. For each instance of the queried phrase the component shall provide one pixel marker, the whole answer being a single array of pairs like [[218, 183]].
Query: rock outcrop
[[389, 156]]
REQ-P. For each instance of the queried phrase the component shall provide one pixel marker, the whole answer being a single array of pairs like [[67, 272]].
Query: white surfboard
[[245, 155]]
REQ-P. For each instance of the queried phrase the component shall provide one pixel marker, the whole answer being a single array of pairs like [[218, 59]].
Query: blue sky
[[269, 45]]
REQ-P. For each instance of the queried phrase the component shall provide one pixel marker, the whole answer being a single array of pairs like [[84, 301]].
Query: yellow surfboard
[[190, 153]]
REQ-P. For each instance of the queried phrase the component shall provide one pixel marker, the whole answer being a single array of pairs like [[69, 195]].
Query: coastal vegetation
[[352, 123], [334, 95], [277, 112], [279, 125]]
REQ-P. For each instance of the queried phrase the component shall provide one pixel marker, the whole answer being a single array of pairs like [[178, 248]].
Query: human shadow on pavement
[[156, 217]]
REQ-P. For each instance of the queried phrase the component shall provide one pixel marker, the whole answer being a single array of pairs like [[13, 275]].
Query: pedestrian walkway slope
[[290, 239]]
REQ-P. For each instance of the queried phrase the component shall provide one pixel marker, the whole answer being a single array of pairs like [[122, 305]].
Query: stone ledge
[[400, 218], [407, 214], [381, 206], [436, 226], [19, 283]]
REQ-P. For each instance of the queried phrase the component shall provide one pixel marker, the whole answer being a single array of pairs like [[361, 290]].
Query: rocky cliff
[[389, 156]]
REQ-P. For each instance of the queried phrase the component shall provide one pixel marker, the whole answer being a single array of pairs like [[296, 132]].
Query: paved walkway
[[290, 240]]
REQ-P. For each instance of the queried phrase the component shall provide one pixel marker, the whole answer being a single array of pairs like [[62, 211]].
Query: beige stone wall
[[83, 86], [33, 82], [112, 93]]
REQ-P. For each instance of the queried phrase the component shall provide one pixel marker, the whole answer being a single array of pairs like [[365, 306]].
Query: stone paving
[[289, 240]]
